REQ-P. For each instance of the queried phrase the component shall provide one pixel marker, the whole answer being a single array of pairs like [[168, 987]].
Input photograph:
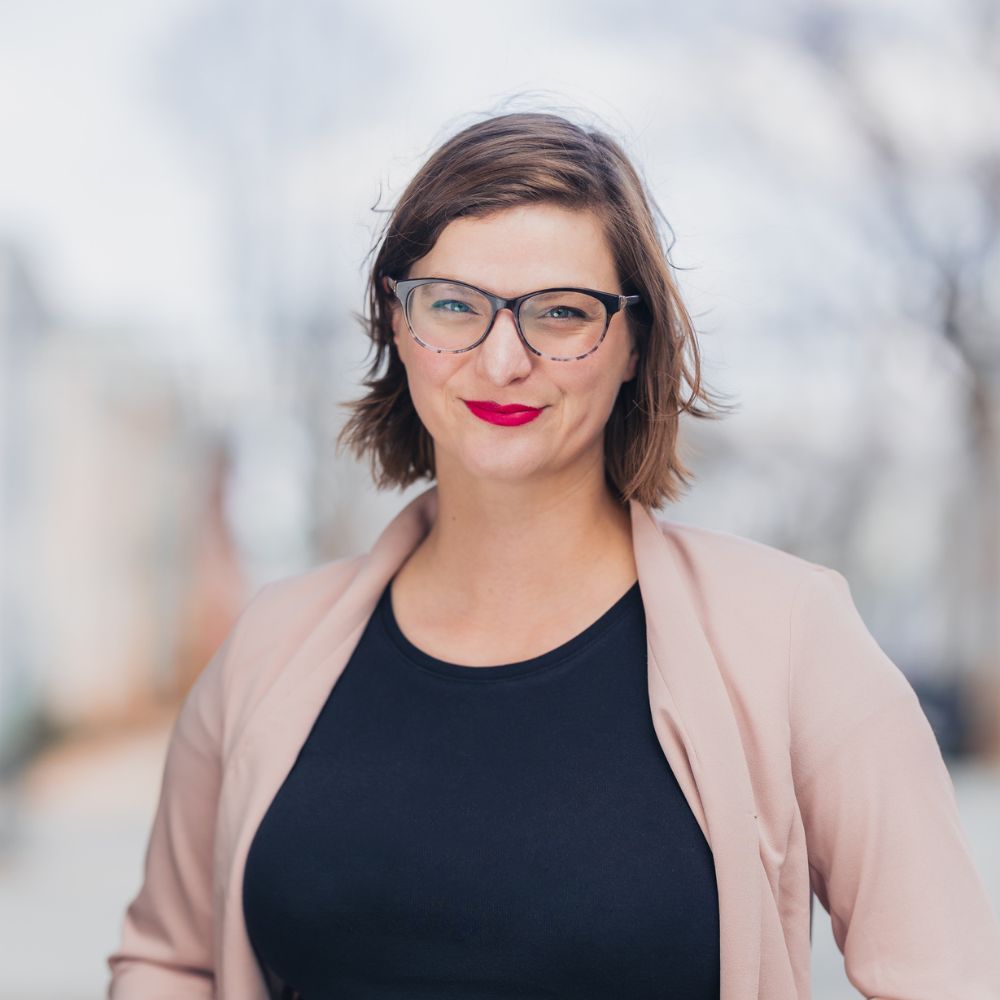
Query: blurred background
[[188, 192]]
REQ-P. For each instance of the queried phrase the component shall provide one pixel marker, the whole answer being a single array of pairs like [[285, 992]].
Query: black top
[[466, 832]]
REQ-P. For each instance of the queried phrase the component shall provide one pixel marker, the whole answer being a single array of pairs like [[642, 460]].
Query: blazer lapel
[[271, 739], [694, 722]]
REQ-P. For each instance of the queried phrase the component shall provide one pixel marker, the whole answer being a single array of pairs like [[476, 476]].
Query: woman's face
[[513, 252]]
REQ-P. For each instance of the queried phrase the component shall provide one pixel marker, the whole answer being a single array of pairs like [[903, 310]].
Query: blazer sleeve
[[166, 948], [888, 858]]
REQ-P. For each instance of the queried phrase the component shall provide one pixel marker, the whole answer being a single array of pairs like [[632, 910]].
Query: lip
[[506, 415]]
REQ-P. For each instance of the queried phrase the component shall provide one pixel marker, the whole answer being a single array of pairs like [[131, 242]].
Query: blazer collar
[[691, 713]]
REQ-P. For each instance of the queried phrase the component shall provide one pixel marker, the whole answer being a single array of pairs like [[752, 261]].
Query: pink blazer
[[801, 748]]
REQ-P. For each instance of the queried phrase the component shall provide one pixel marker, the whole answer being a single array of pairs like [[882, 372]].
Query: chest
[[503, 635]]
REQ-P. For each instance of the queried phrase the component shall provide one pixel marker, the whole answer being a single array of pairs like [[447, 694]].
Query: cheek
[[590, 387], [429, 371], [427, 376], [424, 380]]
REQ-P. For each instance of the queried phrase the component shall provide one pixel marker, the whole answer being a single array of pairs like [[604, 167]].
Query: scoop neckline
[[502, 671]]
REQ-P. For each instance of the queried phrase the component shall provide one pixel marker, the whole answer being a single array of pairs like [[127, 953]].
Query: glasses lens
[[563, 324], [448, 316]]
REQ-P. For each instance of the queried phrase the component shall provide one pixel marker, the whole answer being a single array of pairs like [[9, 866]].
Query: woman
[[539, 742]]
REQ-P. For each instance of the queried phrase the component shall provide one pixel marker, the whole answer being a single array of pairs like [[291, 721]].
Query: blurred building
[[120, 575]]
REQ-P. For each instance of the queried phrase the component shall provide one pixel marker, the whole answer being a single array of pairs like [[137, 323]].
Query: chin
[[494, 467]]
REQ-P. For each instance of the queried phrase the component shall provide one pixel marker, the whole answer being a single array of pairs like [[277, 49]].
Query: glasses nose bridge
[[513, 306]]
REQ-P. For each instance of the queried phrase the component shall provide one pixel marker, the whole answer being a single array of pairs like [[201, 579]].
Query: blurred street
[[71, 865]]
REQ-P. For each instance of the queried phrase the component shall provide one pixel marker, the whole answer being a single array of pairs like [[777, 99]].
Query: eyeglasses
[[562, 324]]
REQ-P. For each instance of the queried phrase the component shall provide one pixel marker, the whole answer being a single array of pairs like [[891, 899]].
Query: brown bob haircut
[[514, 159]]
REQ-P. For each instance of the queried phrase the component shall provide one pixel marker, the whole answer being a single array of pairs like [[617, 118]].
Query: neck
[[504, 544]]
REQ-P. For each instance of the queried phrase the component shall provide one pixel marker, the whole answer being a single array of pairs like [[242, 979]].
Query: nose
[[502, 356]]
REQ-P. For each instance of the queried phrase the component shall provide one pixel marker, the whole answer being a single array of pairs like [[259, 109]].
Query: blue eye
[[449, 302], [573, 312]]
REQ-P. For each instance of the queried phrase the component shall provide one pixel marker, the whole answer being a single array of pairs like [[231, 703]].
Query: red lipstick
[[507, 415]]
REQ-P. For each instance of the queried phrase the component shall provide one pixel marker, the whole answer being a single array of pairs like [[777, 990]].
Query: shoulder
[[758, 597], [756, 603], [298, 600], [287, 608], [719, 560], [275, 623]]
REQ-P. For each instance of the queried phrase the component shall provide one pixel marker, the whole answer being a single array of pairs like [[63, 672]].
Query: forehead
[[523, 248]]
